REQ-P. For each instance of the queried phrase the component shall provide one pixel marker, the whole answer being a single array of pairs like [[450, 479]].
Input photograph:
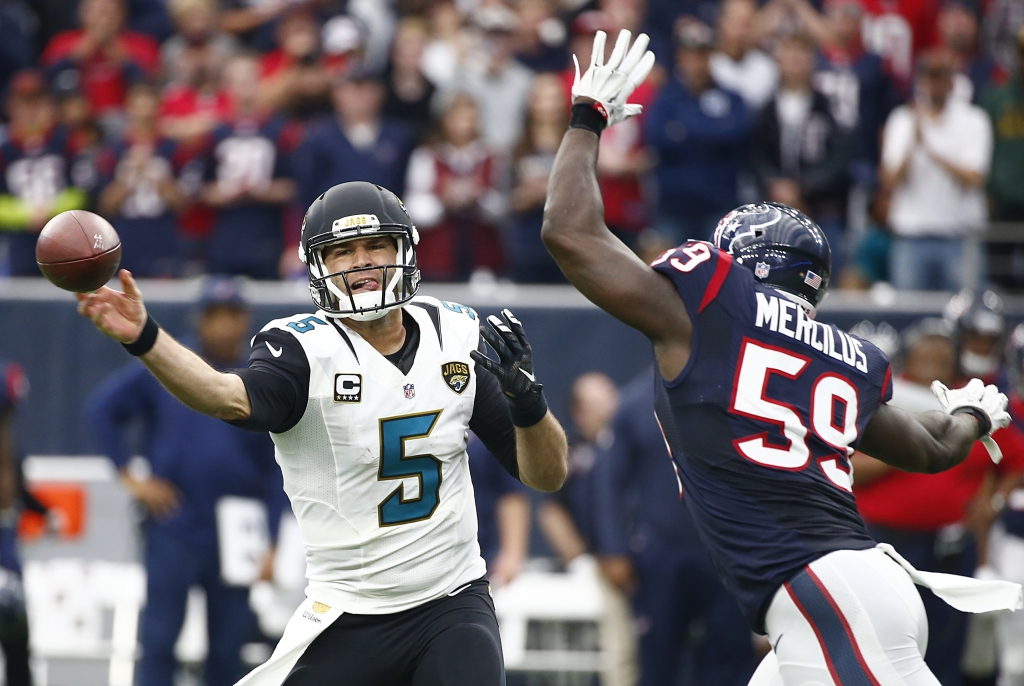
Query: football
[[78, 251]]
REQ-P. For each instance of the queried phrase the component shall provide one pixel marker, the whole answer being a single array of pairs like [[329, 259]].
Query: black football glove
[[514, 368]]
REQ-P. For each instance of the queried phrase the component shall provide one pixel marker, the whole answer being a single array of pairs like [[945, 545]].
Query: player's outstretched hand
[[514, 367], [984, 403], [120, 315], [610, 84]]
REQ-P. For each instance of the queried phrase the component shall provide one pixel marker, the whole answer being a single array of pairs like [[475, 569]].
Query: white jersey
[[376, 469]]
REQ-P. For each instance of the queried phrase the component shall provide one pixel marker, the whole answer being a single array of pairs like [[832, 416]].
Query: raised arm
[[597, 263], [123, 317]]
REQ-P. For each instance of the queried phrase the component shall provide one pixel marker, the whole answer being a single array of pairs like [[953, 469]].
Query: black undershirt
[[277, 382]]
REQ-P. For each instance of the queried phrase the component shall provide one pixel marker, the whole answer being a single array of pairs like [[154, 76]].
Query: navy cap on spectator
[[222, 291], [694, 35]]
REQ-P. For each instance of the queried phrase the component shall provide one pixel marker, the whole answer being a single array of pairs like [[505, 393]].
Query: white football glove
[[611, 84], [982, 399]]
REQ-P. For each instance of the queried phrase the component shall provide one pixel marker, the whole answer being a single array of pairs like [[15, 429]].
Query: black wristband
[[144, 343], [589, 116], [524, 418], [984, 423]]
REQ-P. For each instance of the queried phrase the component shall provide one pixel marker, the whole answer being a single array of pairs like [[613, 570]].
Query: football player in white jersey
[[369, 402]]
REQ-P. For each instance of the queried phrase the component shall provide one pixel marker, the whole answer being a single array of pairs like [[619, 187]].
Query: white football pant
[[850, 618], [1006, 554]]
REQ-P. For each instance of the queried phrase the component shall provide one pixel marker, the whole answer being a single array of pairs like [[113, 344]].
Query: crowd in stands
[[202, 130]]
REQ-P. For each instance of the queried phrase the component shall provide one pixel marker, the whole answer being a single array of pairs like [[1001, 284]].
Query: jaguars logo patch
[[456, 375]]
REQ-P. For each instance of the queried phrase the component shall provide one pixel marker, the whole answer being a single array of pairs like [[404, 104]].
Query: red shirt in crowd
[[103, 78], [928, 502], [899, 30], [180, 100]]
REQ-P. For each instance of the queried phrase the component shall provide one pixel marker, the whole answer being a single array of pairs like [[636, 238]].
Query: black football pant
[[452, 641]]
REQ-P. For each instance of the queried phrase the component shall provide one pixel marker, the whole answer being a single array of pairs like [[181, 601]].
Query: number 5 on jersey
[[395, 464], [831, 395]]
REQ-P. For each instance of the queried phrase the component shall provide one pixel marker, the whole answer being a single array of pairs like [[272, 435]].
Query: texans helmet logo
[[456, 375]]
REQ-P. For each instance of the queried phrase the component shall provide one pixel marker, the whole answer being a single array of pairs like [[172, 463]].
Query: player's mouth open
[[365, 285]]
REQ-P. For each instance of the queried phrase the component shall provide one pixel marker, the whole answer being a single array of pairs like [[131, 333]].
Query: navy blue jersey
[[147, 226], [248, 237], [761, 423]]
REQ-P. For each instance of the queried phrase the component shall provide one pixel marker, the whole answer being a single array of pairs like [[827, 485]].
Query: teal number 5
[[395, 464]]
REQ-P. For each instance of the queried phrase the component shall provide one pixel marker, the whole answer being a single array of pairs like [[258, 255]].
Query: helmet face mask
[[323, 228], [782, 246]]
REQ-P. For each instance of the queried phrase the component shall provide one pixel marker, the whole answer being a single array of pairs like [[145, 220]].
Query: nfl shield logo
[[761, 270], [410, 390]]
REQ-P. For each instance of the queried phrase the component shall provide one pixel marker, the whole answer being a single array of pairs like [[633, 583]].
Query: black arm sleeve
[[491, 421], [277, 381]]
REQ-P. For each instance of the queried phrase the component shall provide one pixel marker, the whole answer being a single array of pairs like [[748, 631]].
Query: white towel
[[963, 593]]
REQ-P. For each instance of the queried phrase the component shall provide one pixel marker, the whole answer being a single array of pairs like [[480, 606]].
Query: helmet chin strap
[[365, 302]]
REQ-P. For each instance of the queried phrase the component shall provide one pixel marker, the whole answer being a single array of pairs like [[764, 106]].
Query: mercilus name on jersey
[[786, 317]]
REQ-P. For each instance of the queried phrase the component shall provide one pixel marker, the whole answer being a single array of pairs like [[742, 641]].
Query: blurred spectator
[[935, 157], [409, 91], [979, 336], [198, 28], [249, 181], [107, 56], [859, 88], [85, 136], [935, 520], [646, 539], [449, 45], [455, 197], [958, 30], [662, 17], [294, 76], [1003, 21], [194, 101], [195, 462], [36, 162], [568, 520], [140, 192], [1007, 545], [503, 514], [14, 638], [1005, 106], [546, 122], [355, 144], [540, 38], [737, 64], [624, 160], [498, 83], [700, 133], [18, 27], [802, 156]]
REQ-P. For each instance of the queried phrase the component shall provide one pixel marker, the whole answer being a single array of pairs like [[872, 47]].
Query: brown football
[[78, 251]]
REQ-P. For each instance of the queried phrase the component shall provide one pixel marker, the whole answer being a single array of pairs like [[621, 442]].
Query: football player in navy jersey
[[761, 407]]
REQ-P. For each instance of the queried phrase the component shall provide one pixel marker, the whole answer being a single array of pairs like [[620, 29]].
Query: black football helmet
[[358, 209], [781, 245]]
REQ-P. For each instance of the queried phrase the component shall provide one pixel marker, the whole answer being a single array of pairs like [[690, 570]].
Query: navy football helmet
[[781, 245], [358, 209]]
